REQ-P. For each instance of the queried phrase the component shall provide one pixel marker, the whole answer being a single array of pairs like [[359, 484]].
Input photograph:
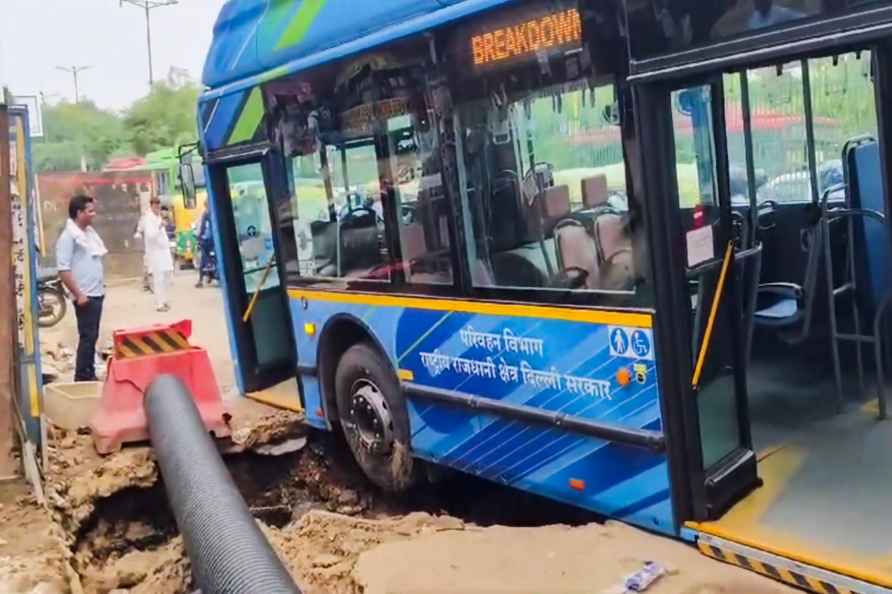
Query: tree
[[76, 130], [164, 118]]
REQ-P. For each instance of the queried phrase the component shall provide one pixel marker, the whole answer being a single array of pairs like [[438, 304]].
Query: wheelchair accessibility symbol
[[634, 343]]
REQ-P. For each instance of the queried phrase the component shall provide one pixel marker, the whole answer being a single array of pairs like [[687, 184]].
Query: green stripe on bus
[[248, 122], [301, 23]]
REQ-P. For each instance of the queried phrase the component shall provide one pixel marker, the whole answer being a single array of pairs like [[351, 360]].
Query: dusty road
[[127, 305], [106, 527]]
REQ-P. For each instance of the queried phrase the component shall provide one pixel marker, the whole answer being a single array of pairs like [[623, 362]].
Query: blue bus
[[628, 255]]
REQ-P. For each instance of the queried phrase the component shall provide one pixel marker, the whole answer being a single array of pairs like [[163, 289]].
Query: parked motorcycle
[[208, 263], [51, 300]]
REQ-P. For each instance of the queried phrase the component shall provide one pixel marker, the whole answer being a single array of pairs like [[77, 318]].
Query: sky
[[38, 35]]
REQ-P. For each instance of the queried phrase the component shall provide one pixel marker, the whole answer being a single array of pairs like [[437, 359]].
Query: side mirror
[[187, 182]]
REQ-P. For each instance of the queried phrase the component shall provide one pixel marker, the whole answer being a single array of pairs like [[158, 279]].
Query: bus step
[[800, 575]]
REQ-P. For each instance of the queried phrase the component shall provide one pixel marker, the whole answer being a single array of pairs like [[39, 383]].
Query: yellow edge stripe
[[276, 402], [804, 557], [143, 347], [179, 339], [782, 574], [591, 316], [32, 390], [157, 339]]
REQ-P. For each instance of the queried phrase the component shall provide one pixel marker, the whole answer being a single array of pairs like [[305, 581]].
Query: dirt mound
[[32, 556], [78, 476], [256, 425], [547, 560], [163, 570], [322, 548]]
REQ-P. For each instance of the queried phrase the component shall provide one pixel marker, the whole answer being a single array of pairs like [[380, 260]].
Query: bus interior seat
[[412, 241], [787, 307], [358, 236], [325, 239], [555, 205], [481, 273], [521, 267], [864, 181], [576, 255], [595, 192], [610, 230], [420, 265], [613, 244], [505, 212]]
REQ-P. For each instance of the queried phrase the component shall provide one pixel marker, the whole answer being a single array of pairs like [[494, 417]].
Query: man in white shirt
[[158, 256], [79, 254]]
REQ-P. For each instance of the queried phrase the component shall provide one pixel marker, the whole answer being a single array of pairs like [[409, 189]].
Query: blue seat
[[787, 307], [783, 309]]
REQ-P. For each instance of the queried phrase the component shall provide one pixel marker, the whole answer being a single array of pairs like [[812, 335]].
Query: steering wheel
[[356, 212], [766, 210]]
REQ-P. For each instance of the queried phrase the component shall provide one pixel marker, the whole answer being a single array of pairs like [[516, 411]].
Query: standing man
[[158, 253], [204, 235], [79, 254]]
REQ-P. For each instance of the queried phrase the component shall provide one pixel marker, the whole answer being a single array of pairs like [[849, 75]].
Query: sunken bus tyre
[[374, 418]]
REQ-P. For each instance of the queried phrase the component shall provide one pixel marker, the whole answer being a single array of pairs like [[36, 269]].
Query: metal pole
[[149, 43], [147, 6], [74, 71], [8, 467]]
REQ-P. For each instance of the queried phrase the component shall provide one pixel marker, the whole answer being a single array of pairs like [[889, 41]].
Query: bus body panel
[[544, 363], [235, 63]]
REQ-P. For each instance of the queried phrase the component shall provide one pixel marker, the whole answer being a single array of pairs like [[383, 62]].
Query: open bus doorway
[[256, 303], [806, 284]]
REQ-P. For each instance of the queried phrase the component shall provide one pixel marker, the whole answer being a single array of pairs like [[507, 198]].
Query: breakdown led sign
[[525, 39]]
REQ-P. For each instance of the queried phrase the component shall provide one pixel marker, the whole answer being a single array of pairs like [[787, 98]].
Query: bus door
[[256, 300], [711, 268]]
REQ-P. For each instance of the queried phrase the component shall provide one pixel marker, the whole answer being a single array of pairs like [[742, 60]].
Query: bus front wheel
[[374, 418]]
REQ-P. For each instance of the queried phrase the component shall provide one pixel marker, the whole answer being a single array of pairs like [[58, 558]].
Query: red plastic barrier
[[140, 356]]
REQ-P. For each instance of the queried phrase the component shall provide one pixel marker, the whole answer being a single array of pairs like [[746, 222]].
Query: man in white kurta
[[158, 254]]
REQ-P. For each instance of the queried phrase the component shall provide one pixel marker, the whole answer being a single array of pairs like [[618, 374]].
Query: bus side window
[[423, 213], [337, 214], [366, 171], [545, 190]]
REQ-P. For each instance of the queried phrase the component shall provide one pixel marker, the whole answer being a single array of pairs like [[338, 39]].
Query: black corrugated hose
[[228, 551]]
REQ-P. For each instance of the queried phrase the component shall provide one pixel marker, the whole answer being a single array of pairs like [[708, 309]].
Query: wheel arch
[[341, 332]]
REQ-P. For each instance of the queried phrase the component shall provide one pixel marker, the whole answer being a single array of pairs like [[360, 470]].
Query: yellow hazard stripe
[[781, 574], [151, 343]]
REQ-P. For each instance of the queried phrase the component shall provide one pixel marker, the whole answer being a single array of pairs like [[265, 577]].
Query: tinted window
[[247, 193], [780, 150], [368, 201], [659, 27], [543, 180]]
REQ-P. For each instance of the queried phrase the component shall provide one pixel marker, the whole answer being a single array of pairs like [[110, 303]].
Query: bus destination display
[[527, 39]]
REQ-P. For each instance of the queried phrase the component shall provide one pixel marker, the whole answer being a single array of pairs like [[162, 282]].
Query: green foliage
[[73, 130], [57, 156], [164, 118]]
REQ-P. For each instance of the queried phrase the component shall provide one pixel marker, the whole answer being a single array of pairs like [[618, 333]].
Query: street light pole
[[74, 71], [148, 6]]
